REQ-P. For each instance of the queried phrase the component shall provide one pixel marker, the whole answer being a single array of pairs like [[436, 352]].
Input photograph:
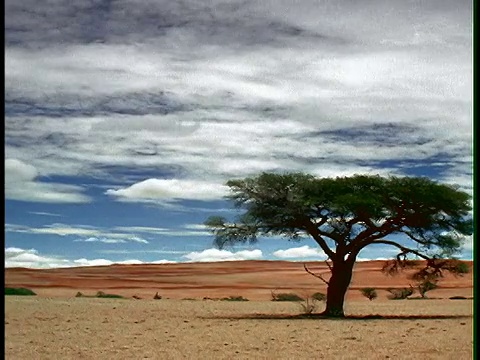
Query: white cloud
[[142, 229], [43, 213], [87, 233], [167, 190], [299, 252], [20, 184], [163, 261], [30, 258], [95, 262], [211, 255], [102, 240]]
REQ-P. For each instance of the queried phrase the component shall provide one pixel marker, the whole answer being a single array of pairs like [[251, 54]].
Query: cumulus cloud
[[21, 184], [30, 258], [168, 190], [299, 252], [211, 255]]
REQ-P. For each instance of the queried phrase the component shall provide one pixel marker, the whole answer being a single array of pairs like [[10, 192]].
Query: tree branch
[[314, 232], [404, 249], [319, 276]]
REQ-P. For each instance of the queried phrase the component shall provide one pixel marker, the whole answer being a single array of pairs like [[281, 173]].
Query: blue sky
[[124, 119]]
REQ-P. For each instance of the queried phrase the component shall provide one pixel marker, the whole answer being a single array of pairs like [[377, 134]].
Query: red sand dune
[[254, 280]]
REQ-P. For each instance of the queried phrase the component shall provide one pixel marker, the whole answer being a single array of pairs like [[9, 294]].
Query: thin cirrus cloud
[[85, 233], [233, 107], [156, 112]]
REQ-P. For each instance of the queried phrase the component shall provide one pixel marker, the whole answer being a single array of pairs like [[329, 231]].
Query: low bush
[[319, 296], [234, 298], [19, 291], [101, 294], [400, 294], [286, 297], [369, 293]]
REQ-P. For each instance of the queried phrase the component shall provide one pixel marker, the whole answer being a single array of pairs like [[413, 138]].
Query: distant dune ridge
[[254, 280]]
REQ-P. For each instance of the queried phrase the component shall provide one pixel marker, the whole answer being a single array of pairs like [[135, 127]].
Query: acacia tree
[[344, 215]]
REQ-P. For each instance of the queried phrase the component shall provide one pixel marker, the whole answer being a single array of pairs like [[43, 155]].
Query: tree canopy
[[346, 214]]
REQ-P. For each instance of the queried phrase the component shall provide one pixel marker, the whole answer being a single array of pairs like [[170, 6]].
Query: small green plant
[[286, 297], [319, 296], [309, 304], [19, 291], [400, 294], [101, 294], [425, 286], [369, 293], [234, 298]]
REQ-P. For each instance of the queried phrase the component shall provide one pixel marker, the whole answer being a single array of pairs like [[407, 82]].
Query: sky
[[124, 119]]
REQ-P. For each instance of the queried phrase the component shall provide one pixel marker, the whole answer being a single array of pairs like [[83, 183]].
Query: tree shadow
[[347, 317]]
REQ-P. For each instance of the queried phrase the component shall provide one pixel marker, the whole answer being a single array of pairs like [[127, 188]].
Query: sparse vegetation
[[425, 286], [310, 303], [319, 296], [234, 298], [369, 293], [286, 297], [400, 294], [100, 294], [19, 291]]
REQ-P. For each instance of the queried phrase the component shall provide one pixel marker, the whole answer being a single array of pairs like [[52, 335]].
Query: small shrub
[[319, 296], [19, 291], [400, 294], [101, 294], [369, 293], [157, 297], [234, 298], [79, 294], [425, 286], [286, 297]]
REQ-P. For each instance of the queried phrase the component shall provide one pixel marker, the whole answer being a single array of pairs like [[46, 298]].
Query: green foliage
[[286, 297], [400, 294], [369, 293], [434, 216], [234, 298], [346, 214], [425, 286], [319, 296], [19, 291]]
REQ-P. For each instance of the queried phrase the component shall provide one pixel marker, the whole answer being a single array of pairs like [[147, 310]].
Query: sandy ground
[[92, 328], [57, 325]]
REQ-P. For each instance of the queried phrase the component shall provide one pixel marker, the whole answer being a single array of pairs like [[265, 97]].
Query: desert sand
[[57, 325]]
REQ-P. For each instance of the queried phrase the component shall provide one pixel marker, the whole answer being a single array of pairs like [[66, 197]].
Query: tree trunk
[[337, 288]]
